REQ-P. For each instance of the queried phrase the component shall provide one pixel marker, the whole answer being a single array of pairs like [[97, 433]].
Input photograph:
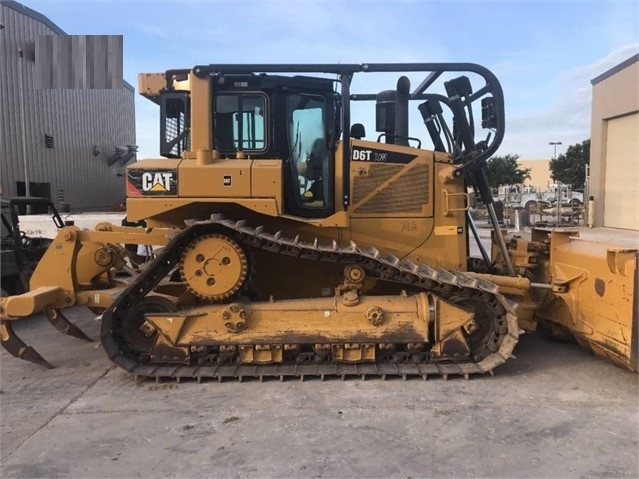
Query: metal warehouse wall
[[615, 95], [77, 120]]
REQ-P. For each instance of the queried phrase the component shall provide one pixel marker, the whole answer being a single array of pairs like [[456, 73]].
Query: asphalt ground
[[553, 411]]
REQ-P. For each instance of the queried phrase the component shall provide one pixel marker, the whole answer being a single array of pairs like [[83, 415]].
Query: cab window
[[309, 157], [239, 122]]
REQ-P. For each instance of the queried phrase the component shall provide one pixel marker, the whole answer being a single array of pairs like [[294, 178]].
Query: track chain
[[443, 283]]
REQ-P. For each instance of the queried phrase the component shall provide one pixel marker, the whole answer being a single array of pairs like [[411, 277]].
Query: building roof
[[24, 10], [615, 69], [18, 7]]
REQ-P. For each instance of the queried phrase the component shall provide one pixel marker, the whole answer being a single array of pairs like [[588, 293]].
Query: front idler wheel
[[133, 329]]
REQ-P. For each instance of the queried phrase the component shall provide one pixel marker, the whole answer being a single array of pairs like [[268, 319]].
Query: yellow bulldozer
[[287, 243]]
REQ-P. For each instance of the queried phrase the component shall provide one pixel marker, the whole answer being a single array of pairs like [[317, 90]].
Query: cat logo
[[157, 182], [151, 182]]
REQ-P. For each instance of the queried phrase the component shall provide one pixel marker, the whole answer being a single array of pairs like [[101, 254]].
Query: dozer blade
[[62, 324], [17, 348], [595, 288]]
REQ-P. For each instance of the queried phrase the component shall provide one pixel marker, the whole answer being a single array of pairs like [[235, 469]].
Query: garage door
[[621, 203]]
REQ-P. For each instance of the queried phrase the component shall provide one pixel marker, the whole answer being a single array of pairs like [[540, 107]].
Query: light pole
[[554, 143]]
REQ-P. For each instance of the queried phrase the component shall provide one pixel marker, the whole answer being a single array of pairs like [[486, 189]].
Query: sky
[[545, 53]]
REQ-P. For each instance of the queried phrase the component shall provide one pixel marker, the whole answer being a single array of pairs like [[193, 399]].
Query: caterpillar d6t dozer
[[289, 244]]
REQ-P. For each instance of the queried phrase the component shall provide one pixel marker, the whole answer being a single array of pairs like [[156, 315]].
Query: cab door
[[309, 169]]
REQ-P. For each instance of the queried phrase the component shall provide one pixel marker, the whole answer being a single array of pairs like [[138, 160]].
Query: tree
[[504, 170], [570, 168]]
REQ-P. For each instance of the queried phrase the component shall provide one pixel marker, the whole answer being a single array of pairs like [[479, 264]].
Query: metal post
[[500, 239], [558, 196], [558, 193], [482, 249], [27, 189], [586, 203], [591, 211]]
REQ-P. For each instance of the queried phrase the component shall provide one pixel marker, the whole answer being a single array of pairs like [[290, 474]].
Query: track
[[448, 285]]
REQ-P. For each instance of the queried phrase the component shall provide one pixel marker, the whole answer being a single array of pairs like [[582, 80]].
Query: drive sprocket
[[214, 267]]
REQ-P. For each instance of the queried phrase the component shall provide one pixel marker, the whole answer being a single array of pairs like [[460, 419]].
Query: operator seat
[[314, 169]]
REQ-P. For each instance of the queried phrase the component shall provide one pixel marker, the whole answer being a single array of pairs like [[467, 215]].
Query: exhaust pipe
[[391, 112], [401, 111]]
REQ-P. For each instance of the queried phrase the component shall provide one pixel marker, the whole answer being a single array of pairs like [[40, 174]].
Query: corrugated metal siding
[[77, 119]]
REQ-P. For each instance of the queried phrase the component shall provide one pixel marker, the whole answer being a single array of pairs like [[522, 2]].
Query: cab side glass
[[239, 122]]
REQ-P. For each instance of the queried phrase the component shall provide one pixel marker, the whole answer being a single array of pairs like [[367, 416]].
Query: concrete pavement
[[554, 411]]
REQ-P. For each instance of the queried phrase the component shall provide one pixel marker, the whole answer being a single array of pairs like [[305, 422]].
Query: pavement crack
[[60, 411]]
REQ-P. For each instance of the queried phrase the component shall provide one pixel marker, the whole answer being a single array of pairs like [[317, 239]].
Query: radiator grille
[[407, 194]]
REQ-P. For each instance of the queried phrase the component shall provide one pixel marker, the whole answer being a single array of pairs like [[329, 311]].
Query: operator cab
[[295, 119], [289, 118]]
